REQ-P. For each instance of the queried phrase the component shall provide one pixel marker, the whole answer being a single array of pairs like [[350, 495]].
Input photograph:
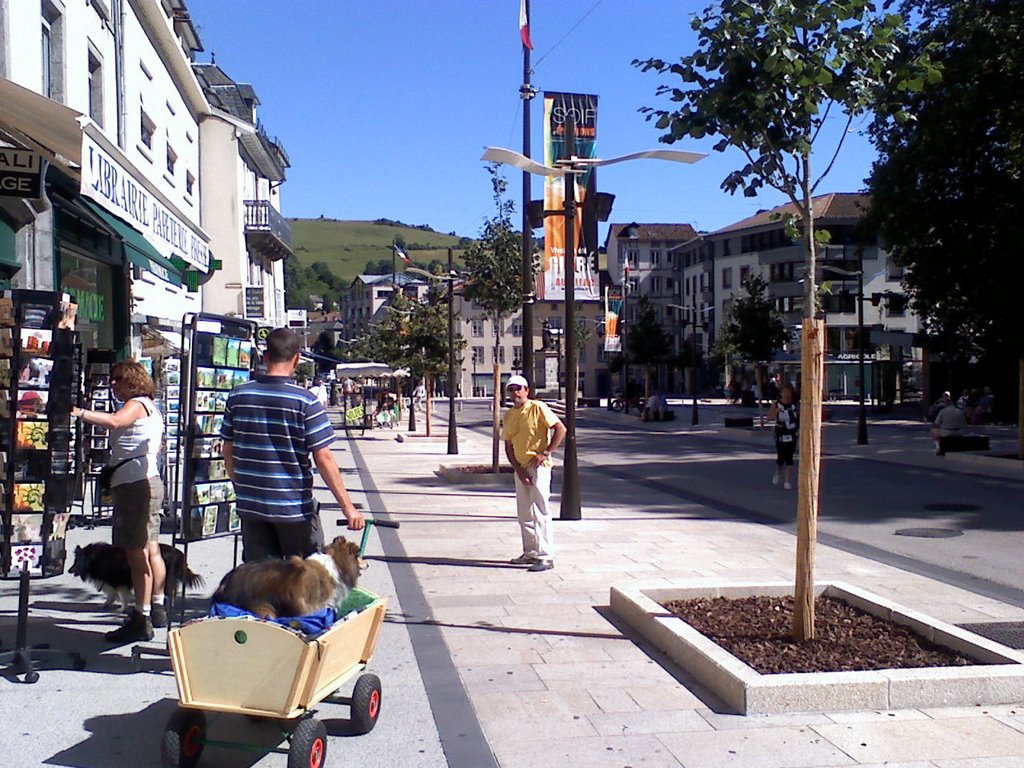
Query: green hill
[[347, 246]]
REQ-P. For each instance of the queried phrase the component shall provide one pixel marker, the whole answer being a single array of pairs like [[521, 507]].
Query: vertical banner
[[558, 108], [612, 326]]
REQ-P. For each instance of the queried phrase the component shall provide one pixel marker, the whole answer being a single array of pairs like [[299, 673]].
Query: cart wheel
[[31, 677], [182, 743], [308, 747], [366, 703]]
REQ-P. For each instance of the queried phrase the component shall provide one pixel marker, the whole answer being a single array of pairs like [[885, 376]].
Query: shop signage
[[105, 180], [21, 173], [90, 304], [254, 304], [296, 318]]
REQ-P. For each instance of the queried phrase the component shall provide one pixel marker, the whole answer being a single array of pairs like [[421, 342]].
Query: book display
[[38, 375], [220, 358], [96, 439]]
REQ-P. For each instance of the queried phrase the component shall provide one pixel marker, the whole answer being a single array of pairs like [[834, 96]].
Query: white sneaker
[[775, 479], [788, 486]]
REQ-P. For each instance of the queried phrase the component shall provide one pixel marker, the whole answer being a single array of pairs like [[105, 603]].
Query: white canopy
[[374, 370]]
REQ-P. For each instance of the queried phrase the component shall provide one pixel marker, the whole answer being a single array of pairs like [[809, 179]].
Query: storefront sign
[[296, 318], [254, 303], [107, 182], [21, 173], [90, 304]]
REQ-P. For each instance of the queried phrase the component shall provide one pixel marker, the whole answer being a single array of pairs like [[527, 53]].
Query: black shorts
[[784, 450], [262, 540]]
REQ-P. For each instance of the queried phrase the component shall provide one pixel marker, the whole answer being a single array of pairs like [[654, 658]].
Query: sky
[[385, 106]]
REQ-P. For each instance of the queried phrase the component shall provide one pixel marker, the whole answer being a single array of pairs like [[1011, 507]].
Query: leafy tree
[[494, 282], [765, 78], [754, 330], [947, 189], [647, 341]]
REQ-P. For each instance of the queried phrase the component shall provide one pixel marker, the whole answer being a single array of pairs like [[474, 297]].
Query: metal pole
[[453, 435], [570, 509], [697, 354], [862, 421], [526, 94], [622, 334]]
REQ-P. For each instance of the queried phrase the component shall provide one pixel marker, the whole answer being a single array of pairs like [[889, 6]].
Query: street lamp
[[697, 350], [862, 421], [568, 168]]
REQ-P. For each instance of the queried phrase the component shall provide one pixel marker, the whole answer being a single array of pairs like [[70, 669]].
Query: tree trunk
[[427, 384], [811, 365], [496, 417]]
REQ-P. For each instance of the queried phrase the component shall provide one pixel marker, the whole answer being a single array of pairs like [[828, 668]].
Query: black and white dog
[[106, 568]]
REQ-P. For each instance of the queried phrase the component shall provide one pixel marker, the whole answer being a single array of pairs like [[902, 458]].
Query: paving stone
[[648, 721], [598, 752], [934, 740], [793, 747]]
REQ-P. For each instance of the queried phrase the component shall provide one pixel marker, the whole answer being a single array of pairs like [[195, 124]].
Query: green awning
[[137, 249]]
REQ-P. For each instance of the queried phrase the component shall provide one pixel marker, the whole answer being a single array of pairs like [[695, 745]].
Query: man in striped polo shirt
[[272, 428]]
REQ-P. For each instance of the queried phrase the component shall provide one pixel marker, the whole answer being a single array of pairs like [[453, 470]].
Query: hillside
[[346, 246]]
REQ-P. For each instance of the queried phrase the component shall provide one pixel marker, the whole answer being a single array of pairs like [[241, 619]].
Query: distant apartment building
[[366, 296], [242, 173]]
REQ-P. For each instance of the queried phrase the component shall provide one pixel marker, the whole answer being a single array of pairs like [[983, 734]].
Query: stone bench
[[950, 443], [740, 422]]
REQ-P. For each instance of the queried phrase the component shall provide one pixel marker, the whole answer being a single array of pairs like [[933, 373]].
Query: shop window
[[147, 128], [52, 51], [95, 88]]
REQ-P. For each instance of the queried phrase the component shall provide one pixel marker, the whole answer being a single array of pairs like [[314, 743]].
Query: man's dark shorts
[[263, 541]]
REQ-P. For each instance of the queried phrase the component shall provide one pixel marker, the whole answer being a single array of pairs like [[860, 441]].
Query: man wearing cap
[[531, 433]]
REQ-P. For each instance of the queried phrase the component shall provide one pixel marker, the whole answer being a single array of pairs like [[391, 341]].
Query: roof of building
[[833, 208], [647, 232], [400, 278]]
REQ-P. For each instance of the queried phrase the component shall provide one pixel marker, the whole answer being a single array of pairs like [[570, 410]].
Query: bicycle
[[619, 404]]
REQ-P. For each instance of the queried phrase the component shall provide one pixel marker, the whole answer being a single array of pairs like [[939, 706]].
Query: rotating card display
[[38, 377], [98, 397], [221, 354]]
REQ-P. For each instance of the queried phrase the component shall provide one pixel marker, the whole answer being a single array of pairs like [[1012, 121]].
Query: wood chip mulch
[[758, 631]]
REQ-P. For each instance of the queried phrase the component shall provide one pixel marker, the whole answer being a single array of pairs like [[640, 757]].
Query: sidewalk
[[483, 663], [554, 681]]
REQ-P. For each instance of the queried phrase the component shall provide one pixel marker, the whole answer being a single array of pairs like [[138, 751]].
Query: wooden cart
[[261, 669]]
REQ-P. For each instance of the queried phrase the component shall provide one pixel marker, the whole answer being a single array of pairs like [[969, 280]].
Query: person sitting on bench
[[949, 421], [655, 408]]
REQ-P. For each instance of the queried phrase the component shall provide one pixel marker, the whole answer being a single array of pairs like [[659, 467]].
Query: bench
[[740, 422], [949, 443]]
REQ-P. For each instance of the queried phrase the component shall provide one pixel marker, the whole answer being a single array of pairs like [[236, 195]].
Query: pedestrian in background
[[136, 437], [272, 430], [784, 414], [949, 421], [319, 391], [532, 432]]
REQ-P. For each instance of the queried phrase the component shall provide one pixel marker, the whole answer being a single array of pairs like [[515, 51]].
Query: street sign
[[21, 173], [254, 303]]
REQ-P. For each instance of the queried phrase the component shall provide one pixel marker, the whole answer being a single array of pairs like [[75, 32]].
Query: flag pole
[[526, 93]]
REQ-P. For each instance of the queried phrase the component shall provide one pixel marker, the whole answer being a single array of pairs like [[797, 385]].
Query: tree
[[754, 330], [494, 281], [765, 78], [647, 341], [948, 187]]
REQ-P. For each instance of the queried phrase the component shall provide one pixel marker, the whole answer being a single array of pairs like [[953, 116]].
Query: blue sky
[[385, 107]]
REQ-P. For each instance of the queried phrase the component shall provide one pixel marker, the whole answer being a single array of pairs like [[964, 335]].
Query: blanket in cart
[[310, 625]]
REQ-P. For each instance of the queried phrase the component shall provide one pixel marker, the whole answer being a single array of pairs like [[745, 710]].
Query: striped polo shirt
[[274, 425]]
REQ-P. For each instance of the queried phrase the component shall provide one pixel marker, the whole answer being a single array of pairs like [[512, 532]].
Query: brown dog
[[293, 587]]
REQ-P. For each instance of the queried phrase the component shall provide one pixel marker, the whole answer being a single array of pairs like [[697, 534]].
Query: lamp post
[[450, 278], [698, 353], [862, 420], [568, 168]]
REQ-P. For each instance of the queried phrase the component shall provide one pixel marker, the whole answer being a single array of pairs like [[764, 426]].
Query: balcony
[[266, 230]]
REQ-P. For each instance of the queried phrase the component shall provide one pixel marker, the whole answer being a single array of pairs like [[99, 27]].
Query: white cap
[[517, 380]]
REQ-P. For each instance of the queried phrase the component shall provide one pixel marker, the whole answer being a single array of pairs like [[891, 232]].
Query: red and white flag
[[524, 25]]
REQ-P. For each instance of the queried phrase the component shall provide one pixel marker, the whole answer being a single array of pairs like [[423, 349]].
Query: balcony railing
[[267, 230]]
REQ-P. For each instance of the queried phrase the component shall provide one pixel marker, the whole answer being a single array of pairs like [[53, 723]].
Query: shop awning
[[41, 124], [137, 249]]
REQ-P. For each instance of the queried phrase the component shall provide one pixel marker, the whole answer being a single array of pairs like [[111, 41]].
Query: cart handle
[[370, 522]]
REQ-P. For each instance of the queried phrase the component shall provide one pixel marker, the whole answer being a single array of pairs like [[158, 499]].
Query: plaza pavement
[[484, 664]]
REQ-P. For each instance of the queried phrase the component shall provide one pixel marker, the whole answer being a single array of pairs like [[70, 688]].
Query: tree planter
[[998, 678], [474, 474]]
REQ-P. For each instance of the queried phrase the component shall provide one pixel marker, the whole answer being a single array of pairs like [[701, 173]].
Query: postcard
[[173, 393], [5, 373], [240, 377], [210, 520], [233, 348], [201, 494], [26, 528], [225, 378], [35, 315], [173, 378], [234, 522], [36, 342], [32, 403], [32, 435], [6, 311], [172, 364], [28, 497], [6, 342], [206, 378], [244, 354], [36, 372], [68, 315], [29, 555], [220, 350]]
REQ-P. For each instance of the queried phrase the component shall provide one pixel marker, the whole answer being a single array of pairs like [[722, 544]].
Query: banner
[[613, 305], [558, 109]]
